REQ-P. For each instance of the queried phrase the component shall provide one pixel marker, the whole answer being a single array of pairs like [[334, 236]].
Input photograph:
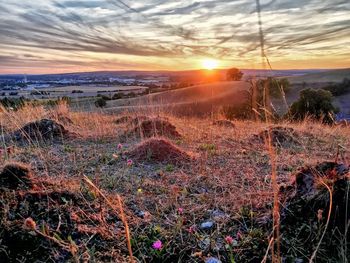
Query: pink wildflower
[[157, 245], [192, 229], [180, 210], [129, 162], [229, 240], [120, 146]]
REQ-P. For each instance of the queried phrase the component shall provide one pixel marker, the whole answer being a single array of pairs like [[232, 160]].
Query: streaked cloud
[[163, 34]]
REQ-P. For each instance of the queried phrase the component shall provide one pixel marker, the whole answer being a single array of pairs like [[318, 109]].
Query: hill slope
[[336, 75], [196, 98]]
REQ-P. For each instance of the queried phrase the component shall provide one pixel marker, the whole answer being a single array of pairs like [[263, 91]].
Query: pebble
[[207, 225]]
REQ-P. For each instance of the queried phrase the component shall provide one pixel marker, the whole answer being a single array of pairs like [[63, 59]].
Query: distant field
[[336, 75], [88, 91], [94, 88], [196, 99]]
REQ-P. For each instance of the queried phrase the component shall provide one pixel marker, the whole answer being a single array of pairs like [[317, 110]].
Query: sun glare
[[209, 64]]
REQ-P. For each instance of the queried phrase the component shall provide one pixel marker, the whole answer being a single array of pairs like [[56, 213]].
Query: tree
[[100, 102], [314, 103], [234, 74]]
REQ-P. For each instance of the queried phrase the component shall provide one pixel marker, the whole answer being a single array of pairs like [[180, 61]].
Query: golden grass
[[232, 168]]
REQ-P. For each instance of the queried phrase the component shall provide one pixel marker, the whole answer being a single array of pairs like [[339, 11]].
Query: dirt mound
[[15, 176], [41, 130], [305, 211], [224, 123], [158, 150], [53, 224], [280, 136], [152, 128]]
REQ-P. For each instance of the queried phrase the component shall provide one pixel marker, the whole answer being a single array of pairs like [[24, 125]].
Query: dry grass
[[231, 174]]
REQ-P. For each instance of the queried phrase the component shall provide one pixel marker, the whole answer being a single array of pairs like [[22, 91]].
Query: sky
[[52, 36]]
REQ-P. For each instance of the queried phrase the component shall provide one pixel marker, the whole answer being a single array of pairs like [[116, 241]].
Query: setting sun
[[210, 64]]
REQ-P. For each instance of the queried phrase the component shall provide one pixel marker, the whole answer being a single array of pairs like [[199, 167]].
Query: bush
[[14, 103], [103, 97], [314, 103], [100, 102], [117, 96], [77, 91]]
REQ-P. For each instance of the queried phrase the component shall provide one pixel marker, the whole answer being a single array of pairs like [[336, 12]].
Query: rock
[[204, 243], [207, 225], [212, 260], [218, 214]]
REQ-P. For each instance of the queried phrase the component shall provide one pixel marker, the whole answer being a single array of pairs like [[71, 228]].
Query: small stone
[[212, 260], [141, 214], [207, 225], [218, 214]]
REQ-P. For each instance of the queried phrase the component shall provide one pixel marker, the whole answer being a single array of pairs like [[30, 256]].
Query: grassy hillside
[[196, 99], [336, 75]]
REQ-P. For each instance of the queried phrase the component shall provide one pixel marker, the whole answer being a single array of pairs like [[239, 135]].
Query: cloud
[[158, 29]]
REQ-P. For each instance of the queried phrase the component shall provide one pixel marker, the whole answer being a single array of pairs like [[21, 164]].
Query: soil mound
[[280, 136], [41, 130], [15, 176], [158, 150], [152, 128], [306, 206], [224, 123], [51, 224]]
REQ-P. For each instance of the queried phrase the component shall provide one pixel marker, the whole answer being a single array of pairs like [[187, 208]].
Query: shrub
[[77, 91], [314, 103], [117, 96], [100, 102], [15, 103], [103, 97]]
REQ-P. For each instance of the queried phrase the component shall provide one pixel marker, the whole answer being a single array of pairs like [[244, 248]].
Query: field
[[336, 75], [198, 99], [204, 192], [87, 91]]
